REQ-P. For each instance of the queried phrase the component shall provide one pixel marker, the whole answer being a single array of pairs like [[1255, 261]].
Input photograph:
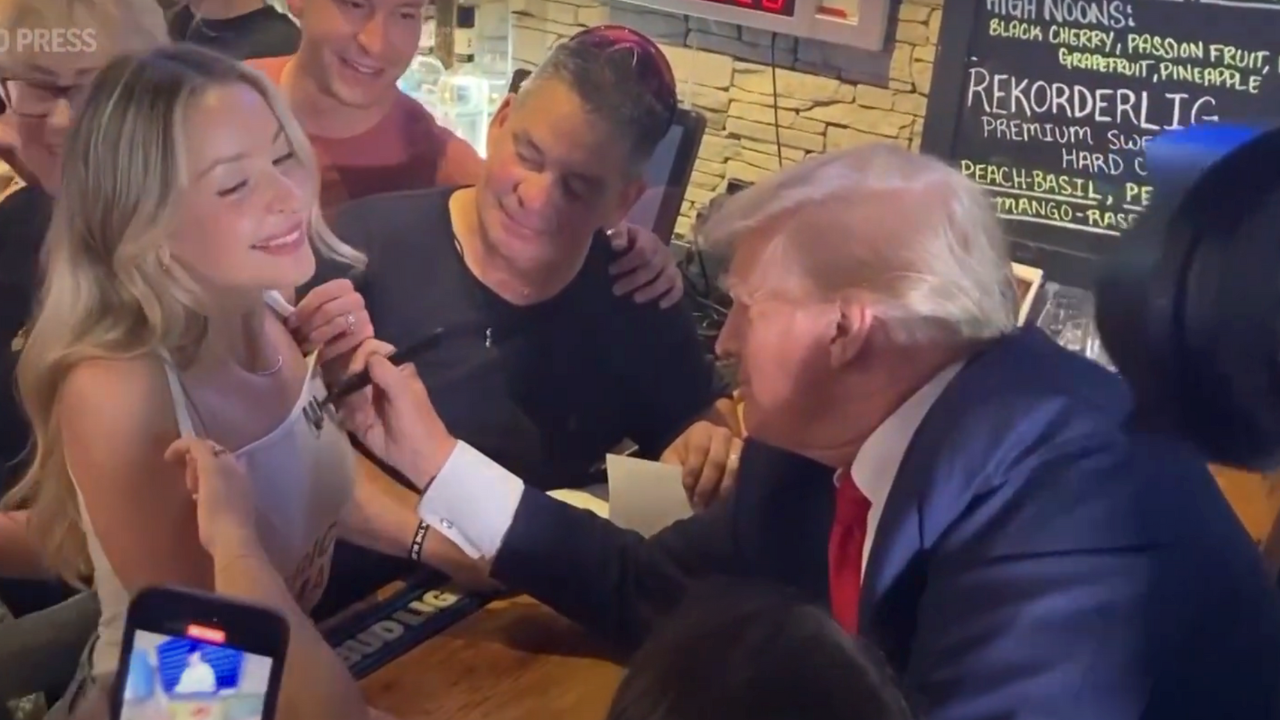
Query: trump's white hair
[[899, 231]]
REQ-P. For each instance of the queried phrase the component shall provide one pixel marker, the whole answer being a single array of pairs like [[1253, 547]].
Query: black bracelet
[[419, 537]]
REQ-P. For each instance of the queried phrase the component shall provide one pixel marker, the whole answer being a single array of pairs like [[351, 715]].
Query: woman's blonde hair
[[109, 291]]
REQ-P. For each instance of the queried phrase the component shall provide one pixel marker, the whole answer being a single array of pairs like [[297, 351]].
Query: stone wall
[[828, 97]]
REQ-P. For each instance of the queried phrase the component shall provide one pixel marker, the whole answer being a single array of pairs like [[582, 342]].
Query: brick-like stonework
[[829, 97]]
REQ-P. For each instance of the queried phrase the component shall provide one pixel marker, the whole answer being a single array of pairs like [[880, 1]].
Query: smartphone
[[194, 656]]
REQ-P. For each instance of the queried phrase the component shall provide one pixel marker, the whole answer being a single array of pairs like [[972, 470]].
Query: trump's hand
[[333, 319], [708, 457], [226, 507], [394, 417], [647, 268]]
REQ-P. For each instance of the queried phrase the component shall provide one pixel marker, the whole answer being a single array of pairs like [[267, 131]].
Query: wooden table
[[513, 660]]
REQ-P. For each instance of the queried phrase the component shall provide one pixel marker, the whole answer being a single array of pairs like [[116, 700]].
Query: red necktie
[[844, 553]]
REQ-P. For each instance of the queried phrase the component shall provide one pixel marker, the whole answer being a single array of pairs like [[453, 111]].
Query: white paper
[[645, 496]]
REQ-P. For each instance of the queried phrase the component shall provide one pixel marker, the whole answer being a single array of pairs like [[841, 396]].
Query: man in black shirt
[[548, 388], [541, 364], [242, 29]]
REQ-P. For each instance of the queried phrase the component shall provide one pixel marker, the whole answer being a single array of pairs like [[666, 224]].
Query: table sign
[[374, 636]]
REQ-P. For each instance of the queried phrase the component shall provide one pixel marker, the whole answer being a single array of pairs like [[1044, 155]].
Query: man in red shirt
[[372, 138]]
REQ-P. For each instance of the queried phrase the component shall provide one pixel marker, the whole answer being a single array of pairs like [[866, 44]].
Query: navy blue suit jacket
[[1036, 557]]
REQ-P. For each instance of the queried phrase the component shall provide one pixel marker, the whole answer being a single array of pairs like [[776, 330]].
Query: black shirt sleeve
[[262, 33], [668, 379]]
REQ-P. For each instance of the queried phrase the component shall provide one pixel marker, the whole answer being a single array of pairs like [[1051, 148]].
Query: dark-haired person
[[372, 138], [541, 364], [242, 29], [753, 651]]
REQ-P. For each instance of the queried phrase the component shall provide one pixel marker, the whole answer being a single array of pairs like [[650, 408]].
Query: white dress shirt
[[473, 500], [876, 464]]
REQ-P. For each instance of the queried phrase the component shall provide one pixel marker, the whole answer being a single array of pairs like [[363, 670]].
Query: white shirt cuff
[[472, 502]]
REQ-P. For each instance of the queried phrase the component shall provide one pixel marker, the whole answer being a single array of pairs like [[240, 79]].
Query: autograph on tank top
[[311, 574]]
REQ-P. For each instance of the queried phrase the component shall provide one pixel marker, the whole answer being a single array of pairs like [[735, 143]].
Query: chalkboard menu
[[1048, 104]]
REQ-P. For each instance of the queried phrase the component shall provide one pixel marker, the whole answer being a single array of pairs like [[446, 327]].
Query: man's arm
[[316, 685], [1088, 586], [612, 581]]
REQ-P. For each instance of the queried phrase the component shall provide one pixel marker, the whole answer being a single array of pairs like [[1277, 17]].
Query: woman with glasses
[[41, 87]]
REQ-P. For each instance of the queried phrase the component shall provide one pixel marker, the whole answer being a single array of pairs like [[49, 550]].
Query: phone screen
[[196, 675]]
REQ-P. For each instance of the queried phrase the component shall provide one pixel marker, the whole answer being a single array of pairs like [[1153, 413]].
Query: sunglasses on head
[[652, 66]]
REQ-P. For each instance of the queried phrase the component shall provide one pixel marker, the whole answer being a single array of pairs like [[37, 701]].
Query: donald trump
[[966, 494]]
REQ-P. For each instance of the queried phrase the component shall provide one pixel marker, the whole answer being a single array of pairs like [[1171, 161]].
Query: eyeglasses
[[37, 99], [650, 62]]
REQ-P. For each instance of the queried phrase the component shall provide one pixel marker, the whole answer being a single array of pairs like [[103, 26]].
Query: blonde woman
[[188, 195]]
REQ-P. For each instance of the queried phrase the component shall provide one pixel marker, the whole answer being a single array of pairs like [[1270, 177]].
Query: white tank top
[[303, 473]]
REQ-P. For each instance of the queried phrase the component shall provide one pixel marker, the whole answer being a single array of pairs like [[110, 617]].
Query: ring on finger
[[351, 323], [219, 451]]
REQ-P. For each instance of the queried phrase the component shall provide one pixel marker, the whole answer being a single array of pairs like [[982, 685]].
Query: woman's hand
[[332, 318], [646, 268], [394, 417], [226, 507]]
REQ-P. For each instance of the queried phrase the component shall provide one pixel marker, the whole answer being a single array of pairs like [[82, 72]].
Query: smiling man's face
[[359, 48]]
